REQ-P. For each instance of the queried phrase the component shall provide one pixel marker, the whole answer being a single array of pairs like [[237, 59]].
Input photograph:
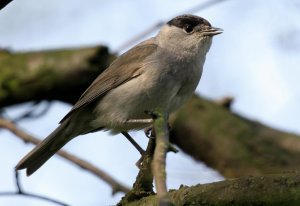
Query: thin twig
[[25, 194], [18, 184], [140, 36], [157, 25], [116, 186], [21, 192], [31, 113], [203, 6], [159, 158]]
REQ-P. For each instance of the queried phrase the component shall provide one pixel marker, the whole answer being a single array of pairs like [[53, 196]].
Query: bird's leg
[[134, 143], [150, 133], [138, 147]]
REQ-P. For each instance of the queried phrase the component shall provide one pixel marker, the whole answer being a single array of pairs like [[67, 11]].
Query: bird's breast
[[188, 75], [163, 83]]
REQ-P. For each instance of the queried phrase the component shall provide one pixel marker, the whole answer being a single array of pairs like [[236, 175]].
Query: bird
[[160, 72]]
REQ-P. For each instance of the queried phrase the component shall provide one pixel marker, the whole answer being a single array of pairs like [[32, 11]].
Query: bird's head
[[188, 33]]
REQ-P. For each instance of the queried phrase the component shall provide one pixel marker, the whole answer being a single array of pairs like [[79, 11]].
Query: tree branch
[[116, 186], [49, 75], [160, 126], [233, 145], [143, 185], [269, 190]]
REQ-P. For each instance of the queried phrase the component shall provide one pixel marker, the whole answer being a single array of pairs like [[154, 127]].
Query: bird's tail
[[46, 149]]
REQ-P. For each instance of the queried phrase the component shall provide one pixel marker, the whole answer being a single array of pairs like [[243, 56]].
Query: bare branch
[[32, 114], [159, 158], [116, 186], [140, 36], [25, 194], [18, 184], [157, 25], [203, 6]]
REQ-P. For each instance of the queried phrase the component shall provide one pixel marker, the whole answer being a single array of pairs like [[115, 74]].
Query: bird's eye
[[188, 29]]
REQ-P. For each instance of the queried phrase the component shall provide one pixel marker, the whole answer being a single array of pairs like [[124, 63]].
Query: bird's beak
[[212, 31]]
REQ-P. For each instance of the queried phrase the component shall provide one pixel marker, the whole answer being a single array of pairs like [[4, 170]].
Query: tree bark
[[233, 145], [49, 75], [269, 190]]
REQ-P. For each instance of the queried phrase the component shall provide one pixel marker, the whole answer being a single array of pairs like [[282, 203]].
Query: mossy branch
[[49, 75], [269, 190], [143, 185], [160, 126], [233, 145]]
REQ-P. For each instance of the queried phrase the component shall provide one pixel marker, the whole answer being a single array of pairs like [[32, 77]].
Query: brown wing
[[123, 69]]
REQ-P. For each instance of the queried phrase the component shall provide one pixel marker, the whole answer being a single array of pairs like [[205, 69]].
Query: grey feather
[[123, 69], [45, 150]]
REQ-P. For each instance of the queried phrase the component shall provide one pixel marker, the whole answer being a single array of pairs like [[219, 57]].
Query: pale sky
[[255, 60]]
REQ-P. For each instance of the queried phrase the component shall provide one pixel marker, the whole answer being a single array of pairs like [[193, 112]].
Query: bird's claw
[[149, 132]]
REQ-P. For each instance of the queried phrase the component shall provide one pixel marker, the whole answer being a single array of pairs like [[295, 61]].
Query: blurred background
[[256, 60]]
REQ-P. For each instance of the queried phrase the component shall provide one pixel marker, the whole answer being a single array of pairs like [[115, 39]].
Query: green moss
[[231, 144], [271, 190], [28, 76]]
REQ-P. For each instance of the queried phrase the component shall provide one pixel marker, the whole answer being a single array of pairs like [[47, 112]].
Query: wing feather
[[123, 69]]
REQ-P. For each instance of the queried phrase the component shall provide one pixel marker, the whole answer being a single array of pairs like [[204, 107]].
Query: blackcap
[[159, 73]]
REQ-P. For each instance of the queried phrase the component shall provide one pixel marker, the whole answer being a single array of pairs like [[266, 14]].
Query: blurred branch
[[49, 75], [116, 186], [140, 36], [203, 6], [26, 194], [233, 145], [17, 181], [31, 113], [225, 102], [3, 3]]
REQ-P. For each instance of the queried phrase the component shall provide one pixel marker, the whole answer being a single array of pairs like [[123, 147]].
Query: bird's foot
[[149, 132]]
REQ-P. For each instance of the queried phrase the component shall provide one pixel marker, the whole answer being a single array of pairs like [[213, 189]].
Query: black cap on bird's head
[[188, 19], [190, 23]]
